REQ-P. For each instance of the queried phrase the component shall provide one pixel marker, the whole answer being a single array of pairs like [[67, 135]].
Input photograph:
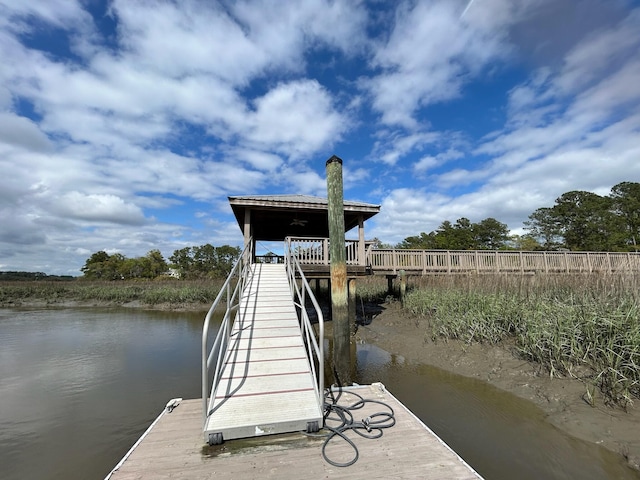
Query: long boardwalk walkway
[[267, 385]]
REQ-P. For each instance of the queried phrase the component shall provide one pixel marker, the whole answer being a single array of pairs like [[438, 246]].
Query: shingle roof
[[296, 198]]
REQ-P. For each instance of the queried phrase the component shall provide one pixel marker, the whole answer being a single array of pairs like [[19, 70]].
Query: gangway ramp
[[266, 383]]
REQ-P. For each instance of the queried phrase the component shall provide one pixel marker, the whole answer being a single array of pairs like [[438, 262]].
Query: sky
[[126, 124]]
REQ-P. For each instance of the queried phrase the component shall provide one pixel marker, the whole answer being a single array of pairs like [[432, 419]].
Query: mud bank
[[398, 332]]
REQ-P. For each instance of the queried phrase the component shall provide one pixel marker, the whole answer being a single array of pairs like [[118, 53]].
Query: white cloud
[[295, 118], [97, 208], [391, 146], [430, 161], [184, 103], [432, 53], [22, 132]]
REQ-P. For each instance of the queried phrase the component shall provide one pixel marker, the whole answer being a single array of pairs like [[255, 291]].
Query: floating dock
[[173, 447]]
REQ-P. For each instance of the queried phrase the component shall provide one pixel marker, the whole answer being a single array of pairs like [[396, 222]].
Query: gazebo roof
[[275, 217]]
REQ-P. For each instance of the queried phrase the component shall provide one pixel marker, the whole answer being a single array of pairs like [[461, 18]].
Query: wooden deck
[[173, 448], [267, 385]]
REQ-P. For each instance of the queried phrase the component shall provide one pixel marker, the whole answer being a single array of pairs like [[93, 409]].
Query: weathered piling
[[338, 271]]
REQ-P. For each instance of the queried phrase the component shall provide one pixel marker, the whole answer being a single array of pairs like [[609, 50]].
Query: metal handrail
[[233, 292], [300, 293]]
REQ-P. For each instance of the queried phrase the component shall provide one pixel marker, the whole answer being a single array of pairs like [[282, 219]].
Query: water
[[79, 386], [502, 436]]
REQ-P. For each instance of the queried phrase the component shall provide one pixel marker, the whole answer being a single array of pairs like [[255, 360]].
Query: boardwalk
[[267, 385], [174, 448], [314, 252]]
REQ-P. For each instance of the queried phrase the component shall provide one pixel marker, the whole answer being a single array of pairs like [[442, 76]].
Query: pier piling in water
[[338, 272]]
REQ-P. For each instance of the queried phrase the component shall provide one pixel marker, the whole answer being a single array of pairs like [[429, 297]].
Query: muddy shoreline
[[401, 333]]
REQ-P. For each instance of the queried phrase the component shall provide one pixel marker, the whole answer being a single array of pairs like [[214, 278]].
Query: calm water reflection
[[499, 434], [79, 386]]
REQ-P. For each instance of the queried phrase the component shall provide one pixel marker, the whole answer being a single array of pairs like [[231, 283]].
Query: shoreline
[[561, 398], [400, 332]]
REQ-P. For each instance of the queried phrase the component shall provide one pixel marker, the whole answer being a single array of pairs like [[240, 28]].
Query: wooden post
[[361, 251], [338, 271], [403, 286]]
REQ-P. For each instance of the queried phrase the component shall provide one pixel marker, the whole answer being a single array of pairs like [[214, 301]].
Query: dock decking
[[173, 448], [267, 386]]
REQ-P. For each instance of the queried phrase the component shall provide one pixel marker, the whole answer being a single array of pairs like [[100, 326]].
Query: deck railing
[[492, 261], [315, 251]]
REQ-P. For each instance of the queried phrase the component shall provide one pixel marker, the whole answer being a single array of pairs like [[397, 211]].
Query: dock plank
[[174, 448]]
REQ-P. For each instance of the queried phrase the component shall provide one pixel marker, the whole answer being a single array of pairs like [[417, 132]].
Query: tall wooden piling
[[338, 272]]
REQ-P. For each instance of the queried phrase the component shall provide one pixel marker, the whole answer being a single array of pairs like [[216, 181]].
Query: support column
[[338, 270], [247, 232], [361, 248]]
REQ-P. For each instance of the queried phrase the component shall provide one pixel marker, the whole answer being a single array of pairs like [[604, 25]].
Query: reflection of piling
[[352, 305], [403, 285], [338, 271]]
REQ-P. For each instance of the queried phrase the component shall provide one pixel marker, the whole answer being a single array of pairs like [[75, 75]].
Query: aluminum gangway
[[265, 366]]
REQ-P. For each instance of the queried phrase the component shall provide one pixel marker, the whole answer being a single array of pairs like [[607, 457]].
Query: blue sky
[[125, 124]]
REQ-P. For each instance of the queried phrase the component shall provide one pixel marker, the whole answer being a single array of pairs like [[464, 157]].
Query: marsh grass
[[173, 292], [585, 326]]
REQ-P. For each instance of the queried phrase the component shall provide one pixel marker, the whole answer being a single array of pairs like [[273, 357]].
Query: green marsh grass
[[585, 326], [172, 292]]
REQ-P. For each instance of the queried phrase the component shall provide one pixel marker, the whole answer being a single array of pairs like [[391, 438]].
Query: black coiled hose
[[339, 419]]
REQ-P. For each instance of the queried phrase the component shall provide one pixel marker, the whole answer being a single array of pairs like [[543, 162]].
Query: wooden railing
[[486, 261], [315, 251]]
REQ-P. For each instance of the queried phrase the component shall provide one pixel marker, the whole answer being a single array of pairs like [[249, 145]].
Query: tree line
[[578, 221], [12, 276], [204, 261]]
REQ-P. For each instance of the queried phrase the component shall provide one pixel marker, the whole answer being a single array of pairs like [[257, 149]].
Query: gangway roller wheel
[[215, 439], [313, 427]]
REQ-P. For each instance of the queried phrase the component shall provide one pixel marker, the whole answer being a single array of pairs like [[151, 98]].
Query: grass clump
[[583, 326]]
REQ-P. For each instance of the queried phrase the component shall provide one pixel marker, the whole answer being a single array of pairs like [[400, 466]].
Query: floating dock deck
[[173, 447]]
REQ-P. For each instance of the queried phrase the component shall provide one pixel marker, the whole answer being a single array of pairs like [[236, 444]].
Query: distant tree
[[462, 235], [625, 198], [490, 234], [205, 260], [154, 264], [377, 243], [182, 261], [587, 221], [423, 241], [12, 276], [582, 220], [226, 257], [96, 265], [544, 225], [527, 243], [102, 266]]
